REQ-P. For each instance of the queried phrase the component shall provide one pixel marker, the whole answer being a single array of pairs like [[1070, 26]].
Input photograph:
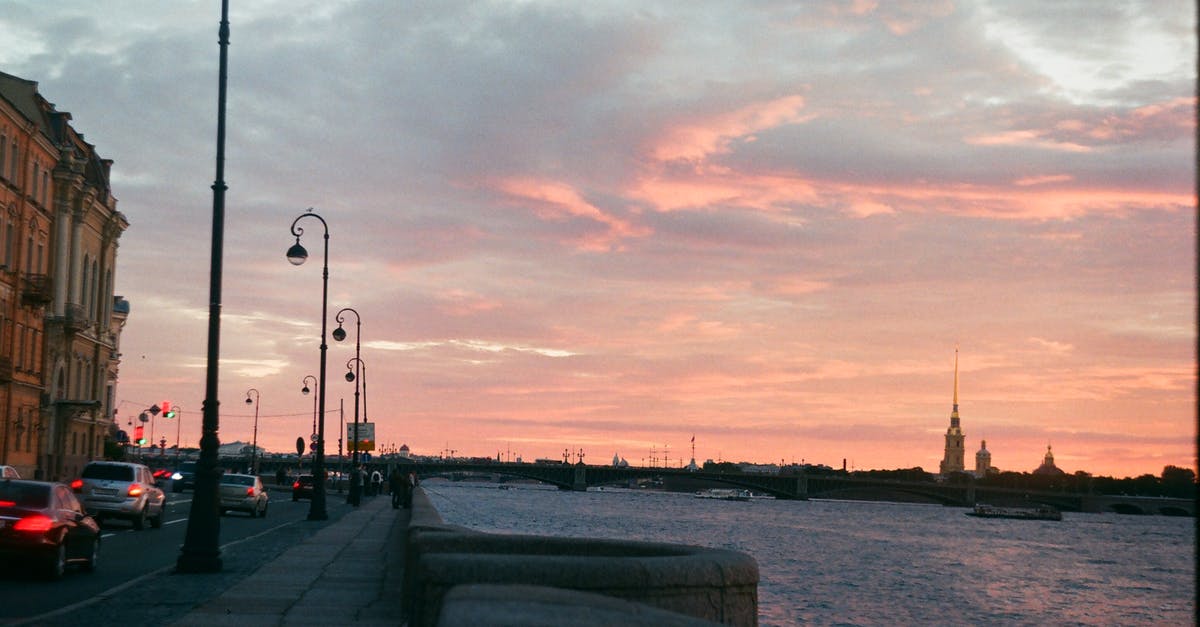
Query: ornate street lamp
[[254, 444], [354, 497], [297, 255], [361, 366], [305, 390], [201, 552]]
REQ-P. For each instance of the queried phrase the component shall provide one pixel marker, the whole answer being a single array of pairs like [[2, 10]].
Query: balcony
[[37, 290], [76, 318]]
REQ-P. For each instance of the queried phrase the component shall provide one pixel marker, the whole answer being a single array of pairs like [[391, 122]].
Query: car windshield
[[24, 495], [108, 471], [238, 479]]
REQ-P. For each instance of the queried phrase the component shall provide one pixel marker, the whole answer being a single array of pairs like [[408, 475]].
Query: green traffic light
[[169, 414]]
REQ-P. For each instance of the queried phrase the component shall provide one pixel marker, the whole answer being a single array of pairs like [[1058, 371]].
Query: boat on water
[[1022, 513], [724, 494]]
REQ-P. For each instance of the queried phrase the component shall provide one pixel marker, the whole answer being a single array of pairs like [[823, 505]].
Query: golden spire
[[956, 378]]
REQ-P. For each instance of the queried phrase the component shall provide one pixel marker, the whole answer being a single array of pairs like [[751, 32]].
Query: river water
[[873, 563]]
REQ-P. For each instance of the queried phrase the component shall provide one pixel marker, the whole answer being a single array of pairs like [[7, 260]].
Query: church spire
[[954, 412]]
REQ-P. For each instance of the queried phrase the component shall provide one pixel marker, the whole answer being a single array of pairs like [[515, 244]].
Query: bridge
[[580, 477]]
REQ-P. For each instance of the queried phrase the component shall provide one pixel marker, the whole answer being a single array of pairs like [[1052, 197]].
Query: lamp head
[[297, 254], [350, 376], [304, 390], [339, 333], [248, 401]]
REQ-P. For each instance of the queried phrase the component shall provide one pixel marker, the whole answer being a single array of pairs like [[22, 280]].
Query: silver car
[[121, 490], [243, 493]]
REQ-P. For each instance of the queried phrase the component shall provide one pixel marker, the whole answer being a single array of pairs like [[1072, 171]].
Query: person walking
[[410, 482], [396, 487]]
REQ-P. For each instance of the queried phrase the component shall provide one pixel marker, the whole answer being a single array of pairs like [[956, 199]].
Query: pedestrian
[[281, 476], [396, 487], [376, 482], [410, 482]]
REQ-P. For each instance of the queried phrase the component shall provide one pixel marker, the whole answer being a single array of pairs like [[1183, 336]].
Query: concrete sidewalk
[[347, 573]]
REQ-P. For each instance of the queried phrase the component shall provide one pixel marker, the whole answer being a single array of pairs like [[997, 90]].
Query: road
[[134, 584]]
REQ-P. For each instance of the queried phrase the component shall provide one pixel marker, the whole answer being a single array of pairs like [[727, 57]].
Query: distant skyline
[[614, 225]]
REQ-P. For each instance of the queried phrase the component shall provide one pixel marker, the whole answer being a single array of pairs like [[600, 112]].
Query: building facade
[[59, 320], [955, 451]]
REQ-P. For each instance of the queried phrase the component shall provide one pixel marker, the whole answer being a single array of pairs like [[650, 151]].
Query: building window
[[13, 160], [19, 362], [3, 150], [10, 243], [33, 183], [45, 188]]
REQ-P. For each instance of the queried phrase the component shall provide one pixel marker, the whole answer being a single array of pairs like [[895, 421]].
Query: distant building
[[983, 460], [404, 451], [619, 462], [952, 459], [1048, 467]]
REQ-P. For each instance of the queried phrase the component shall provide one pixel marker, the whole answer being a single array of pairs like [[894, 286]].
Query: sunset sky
[[611, 226]]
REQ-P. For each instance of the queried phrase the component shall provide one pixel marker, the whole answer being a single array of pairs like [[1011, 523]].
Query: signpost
[[366, 436]]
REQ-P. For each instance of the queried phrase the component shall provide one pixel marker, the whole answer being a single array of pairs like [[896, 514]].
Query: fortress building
[[952, 460], [983, 460]]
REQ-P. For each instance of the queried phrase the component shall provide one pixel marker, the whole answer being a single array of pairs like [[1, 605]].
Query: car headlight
[[176, 476]]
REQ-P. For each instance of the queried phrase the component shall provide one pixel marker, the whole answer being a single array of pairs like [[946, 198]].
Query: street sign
[[366, 436], [299, 446]]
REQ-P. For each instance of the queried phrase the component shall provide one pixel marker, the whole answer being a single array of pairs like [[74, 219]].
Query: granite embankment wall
[[456, 576]]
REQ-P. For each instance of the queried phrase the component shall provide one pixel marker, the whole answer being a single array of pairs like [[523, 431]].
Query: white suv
[[121, 490]]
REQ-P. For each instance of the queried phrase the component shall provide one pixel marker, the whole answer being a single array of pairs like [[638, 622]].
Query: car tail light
[[77, 485], [136, 489], [35, 523], [249, 491], [8, 504], [296, 486]]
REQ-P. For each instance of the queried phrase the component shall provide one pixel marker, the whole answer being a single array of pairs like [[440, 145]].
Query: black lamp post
[[201, 552], [354, 497], [297, 255], [305, 390], [178, 425], [254, 444], [360, 366]]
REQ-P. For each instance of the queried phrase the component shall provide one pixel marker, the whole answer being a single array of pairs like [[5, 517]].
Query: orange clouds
[[713, 135], [556, 201]]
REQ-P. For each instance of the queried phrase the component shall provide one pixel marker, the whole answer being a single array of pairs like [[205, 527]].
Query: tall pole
[[254, 443], [201, 552], [297, 255], [355, 495], [178, 424]]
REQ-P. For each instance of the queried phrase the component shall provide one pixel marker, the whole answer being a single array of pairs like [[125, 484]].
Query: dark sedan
[[302, 488], [44, 524]]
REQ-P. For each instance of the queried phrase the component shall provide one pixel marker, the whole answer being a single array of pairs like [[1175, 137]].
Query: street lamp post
[[305, 390], [201, 552], [355, 495], [254, 443], [296, 255], [360, 366]]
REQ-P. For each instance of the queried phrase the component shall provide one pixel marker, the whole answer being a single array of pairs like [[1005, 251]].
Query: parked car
[[42, 522], [121, 490], [243, 493], [302, 488], [8, 472], [184, 477]]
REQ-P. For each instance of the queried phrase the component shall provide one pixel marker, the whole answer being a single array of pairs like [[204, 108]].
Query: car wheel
[[90, 564], [56, 564], [157, 521], [263, 513], [139, 521]]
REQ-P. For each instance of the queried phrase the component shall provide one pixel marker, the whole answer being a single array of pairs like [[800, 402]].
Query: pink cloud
[[713, 135], [557, 201]]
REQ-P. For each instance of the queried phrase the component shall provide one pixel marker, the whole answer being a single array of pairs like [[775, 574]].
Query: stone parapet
[[707, 585]]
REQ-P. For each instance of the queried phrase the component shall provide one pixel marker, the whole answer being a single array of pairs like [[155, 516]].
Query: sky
[[613, 227]]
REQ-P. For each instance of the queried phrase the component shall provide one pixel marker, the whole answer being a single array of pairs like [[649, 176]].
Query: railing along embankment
[[455, 576]]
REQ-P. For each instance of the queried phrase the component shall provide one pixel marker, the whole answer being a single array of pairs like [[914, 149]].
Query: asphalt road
[[134, 582]]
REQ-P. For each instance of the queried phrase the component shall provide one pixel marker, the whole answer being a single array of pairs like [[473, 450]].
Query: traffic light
[[139, 435], [168, 411]]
